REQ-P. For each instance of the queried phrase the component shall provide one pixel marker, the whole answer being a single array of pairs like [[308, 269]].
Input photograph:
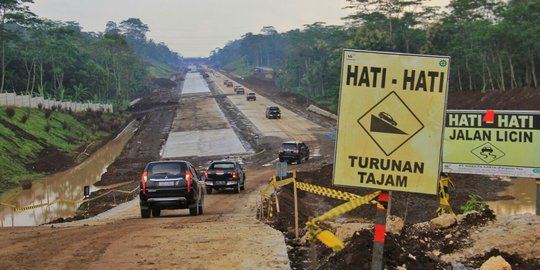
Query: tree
[[12, 12]]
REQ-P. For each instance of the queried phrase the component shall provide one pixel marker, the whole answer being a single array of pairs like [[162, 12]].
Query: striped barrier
[[444, 196], [353, 201], [327, 237], [328, 192], [30, 207]]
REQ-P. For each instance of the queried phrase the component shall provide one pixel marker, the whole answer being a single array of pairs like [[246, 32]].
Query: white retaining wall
[[12, 99], [322, 112]]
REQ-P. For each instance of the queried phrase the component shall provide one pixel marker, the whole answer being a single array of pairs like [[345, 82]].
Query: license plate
[[165, 184], [222, 183]]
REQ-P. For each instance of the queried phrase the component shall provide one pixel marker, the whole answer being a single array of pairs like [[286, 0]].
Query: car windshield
[[289, 146], [222, 166], [251, 94], [168, 169], [274, 109]]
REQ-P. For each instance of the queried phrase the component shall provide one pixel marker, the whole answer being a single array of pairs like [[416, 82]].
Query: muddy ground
[[420, 242], [416, 245]]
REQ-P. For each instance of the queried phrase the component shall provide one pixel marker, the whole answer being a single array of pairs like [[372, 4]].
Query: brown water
[[67, 185], [524, 192]]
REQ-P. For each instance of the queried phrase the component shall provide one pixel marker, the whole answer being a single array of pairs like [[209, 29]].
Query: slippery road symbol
[[488, 153]]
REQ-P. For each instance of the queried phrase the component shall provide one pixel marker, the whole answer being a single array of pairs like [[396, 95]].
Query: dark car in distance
[[251, 96], [293, 151], [240, 91], [225, 174], [273, 112], [170, 184]]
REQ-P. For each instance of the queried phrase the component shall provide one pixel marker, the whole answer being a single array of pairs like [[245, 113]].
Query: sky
[[193, 28]]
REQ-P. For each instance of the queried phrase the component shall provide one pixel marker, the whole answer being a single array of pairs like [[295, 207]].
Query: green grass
[[21, 143], [240, 68], [160, 70]]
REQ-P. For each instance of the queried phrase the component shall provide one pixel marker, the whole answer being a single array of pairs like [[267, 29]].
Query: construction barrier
[[444, 196], [29, 207], [315, 232], [327, 237]]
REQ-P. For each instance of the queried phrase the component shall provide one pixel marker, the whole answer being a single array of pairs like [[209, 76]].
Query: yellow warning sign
[[492, 143], [391, 115]]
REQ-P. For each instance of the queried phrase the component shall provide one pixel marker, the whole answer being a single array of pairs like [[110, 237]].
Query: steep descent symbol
[[488, 152], [384, 123], [390, 123]]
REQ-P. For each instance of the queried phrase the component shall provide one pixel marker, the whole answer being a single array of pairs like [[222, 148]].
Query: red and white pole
[[380, 231]]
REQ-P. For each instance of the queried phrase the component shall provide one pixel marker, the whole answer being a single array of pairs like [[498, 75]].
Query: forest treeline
[[59, 60], [494, 45]]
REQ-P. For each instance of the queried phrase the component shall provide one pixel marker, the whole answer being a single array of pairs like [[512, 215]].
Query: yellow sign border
[[404, 60]]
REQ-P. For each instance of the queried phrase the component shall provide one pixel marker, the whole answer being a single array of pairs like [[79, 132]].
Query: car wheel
[[193, 211], [145, 213], [237, 187], [243, 187], [307, 157], [209, 190], [156, 212], [201, 206], [299, 160]]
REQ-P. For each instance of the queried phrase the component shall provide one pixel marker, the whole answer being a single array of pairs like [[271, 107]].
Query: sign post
[[390, 128]]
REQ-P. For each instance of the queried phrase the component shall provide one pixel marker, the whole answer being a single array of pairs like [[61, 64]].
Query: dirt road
[[226, 236]]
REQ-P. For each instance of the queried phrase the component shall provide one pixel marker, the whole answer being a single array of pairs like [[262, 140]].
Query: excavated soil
[[417, 247]]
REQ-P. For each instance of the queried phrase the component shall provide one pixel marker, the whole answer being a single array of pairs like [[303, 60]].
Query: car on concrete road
[[229, 84], [293, 151], [273, 112], [170, 184], [225, 174], [251, 96], [240, 91]]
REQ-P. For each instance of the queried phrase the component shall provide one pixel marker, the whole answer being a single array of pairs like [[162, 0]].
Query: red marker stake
[[380, 232]]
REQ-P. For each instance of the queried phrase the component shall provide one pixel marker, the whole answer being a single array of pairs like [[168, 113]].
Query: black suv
[[225, 174], [293, 151], [273, 112], [170, 184]]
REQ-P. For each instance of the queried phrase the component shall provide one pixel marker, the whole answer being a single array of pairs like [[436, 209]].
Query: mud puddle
[[59, 194], [523, 193]]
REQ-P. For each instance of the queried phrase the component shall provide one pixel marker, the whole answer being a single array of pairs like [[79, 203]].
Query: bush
[[10, 111], [48, 113], [104, 127], [25, 117], [40, 106], [53, 108], [47, 127], [473, 204]]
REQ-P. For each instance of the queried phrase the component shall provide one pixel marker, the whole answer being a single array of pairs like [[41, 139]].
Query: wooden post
[[296, 233], [276, 196], [261, 215], [389, 212], [380, 232]]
